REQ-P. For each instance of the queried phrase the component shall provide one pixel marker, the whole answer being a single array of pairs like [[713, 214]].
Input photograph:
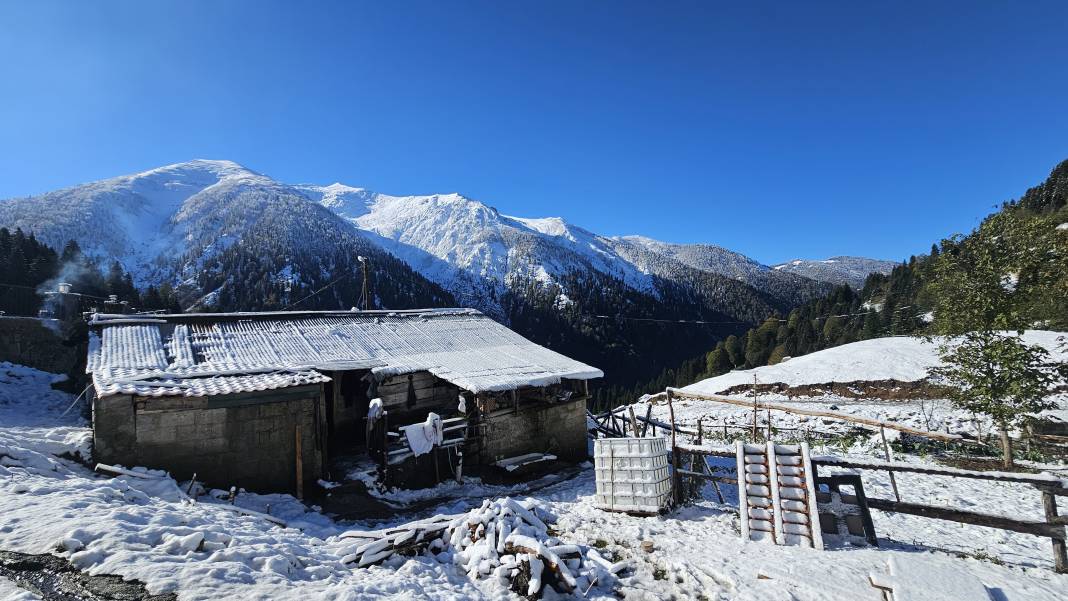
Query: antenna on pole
[[363, 294]]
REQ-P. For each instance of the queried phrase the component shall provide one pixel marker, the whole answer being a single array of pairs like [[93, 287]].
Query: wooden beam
[[707, 450], [1043, 481], [815, 413], [300, 466], [712, 477], [966, 517]]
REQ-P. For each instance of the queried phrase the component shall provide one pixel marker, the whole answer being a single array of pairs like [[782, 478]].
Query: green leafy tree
[[982, 287], [998, 375]]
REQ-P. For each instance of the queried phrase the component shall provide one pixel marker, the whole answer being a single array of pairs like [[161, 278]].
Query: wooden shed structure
[[237, 398]]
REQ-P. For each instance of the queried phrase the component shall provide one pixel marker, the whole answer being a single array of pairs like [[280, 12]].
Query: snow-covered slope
[[838, 270], [902, 358]]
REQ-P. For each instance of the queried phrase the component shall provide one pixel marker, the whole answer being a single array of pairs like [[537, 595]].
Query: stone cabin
[[254, 399]]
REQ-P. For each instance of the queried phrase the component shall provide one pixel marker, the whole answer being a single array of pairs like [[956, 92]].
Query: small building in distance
[[230, 396]]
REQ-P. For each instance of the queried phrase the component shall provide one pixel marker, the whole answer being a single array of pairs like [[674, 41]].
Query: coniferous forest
[[29, 269]]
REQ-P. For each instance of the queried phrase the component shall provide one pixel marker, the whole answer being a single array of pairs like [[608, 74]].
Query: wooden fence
[[613, 423]]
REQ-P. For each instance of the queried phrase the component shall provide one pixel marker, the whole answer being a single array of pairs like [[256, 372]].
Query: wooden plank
[[300, 466], [707, 450], [815, 413], [811, 489], [1043, 481], [743, 493], [710, 477], [634, 422], [966, 517]]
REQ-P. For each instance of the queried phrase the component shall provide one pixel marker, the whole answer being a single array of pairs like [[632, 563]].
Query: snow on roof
[[902, 358], [221, 353]]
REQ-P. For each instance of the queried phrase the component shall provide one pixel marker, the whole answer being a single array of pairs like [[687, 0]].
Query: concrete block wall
[[231, 440], [557, 428]]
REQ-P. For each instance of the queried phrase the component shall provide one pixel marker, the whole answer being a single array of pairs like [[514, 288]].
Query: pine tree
[[718, 361]]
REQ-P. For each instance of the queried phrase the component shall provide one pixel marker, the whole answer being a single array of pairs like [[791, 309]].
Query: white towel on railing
[[423, 437]]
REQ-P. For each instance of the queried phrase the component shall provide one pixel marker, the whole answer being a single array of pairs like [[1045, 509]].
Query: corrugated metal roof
[[205, 354]]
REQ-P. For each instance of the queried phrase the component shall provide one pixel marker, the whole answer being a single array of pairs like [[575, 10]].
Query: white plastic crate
[[632, 474]]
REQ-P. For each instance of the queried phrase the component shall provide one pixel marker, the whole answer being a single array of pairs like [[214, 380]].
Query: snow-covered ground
[[140, 528]]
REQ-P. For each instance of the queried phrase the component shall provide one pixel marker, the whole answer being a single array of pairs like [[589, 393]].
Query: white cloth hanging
[[374, 412], [422, 438]]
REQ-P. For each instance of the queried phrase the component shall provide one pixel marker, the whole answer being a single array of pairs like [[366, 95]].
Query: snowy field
[[901, 358], [140, 528]]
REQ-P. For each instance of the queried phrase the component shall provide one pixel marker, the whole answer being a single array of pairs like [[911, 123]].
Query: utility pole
[[363, 294]]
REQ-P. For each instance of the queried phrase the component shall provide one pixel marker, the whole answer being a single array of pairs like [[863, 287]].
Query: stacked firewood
[[503, 539]]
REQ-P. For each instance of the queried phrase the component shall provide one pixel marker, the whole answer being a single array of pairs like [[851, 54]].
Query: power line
[[684, 321], [732, 321], [293, 304]]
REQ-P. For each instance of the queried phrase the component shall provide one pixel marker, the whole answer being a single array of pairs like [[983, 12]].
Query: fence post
[[1060, 554], [886, 451], [675, 480]]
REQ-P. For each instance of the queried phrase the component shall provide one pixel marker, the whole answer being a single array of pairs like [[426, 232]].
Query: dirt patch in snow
[[984, 464], [54, 578], [886, 390]]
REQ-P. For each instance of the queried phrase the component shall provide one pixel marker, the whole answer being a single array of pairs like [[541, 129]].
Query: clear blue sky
[[779, 129]]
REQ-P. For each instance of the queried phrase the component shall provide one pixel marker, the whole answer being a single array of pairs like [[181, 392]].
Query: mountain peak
[[841, 269], [216, 167]]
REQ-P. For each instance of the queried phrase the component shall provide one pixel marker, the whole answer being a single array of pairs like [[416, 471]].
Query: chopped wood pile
[[504, 539]]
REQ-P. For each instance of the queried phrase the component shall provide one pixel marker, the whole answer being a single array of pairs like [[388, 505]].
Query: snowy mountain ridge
[[167, 223], [837, 270]]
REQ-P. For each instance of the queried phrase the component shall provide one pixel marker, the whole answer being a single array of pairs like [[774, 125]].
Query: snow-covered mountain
[[211, 228], [478, 253], [837, 270]]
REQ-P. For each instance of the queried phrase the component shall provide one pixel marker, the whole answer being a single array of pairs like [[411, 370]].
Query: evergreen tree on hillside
[[25, 264]]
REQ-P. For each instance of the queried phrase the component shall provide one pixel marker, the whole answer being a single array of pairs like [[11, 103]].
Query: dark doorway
[[328, 395], [354, 399]]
